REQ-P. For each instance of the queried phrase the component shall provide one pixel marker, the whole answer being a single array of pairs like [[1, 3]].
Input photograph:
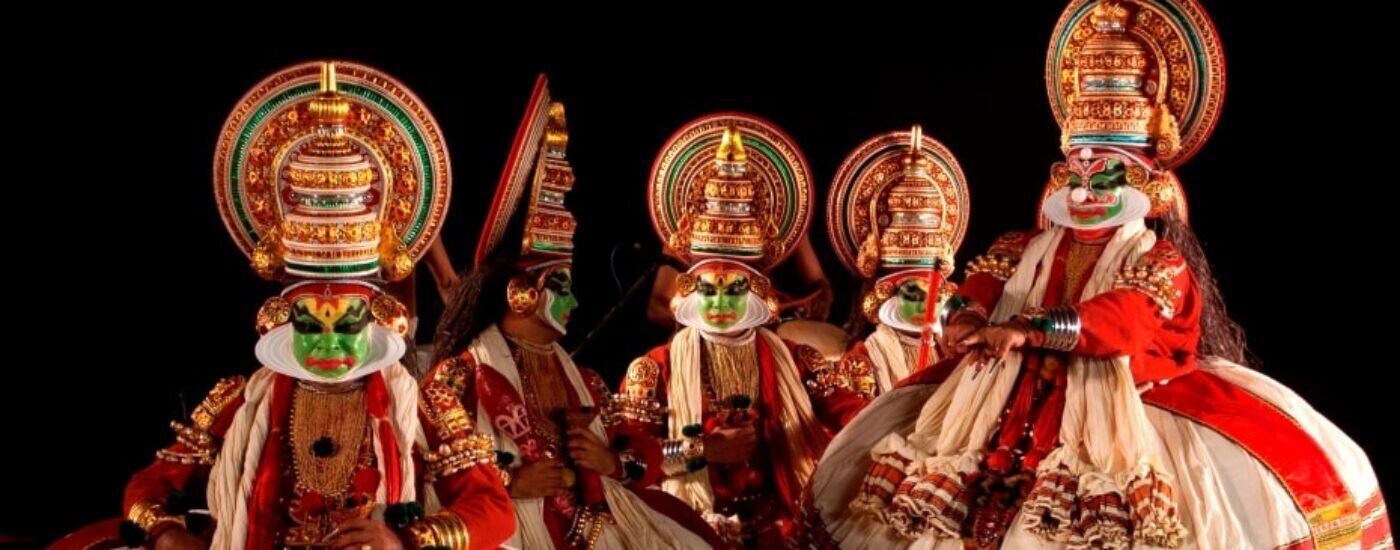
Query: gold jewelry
[[1000, 266], [1154, 275], [637, 402], [1059, 173], [199, 444], [1161, 191], [147, 515], [223, 394], [588, 526], [826, 377], [685, 284], [273, 313], [389, 313], [440, 529], [858, 373], [506, 476], [459, 455], [522, 295], [327, 432], [444, 410], [732, 369]]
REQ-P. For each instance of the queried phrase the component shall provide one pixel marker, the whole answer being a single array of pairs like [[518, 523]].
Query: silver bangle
[[676, 455], [1063, 329], [950, 306]]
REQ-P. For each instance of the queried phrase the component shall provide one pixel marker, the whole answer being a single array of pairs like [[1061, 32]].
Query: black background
[[140, 339]]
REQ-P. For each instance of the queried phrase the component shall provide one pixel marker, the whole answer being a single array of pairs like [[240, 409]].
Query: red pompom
[[312, 503], [1000, 461], [366, 481]]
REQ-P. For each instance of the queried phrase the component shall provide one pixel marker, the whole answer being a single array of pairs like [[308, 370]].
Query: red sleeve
[[191, 454], [1118, 322], [474, 493], [1146, 296], [987, 274], [478, 497], [832, 398], [981, 290]]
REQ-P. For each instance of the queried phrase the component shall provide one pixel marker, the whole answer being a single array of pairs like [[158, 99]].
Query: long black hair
[[478, 300], [1221, 336]]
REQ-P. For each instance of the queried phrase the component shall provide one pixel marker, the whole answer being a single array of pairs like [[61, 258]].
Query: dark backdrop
[[133, 347]]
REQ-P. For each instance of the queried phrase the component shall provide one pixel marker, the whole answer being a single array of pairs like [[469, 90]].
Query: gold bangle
[[147, 515], [440, 529], [421, 531], [439, 534], [460, 537]]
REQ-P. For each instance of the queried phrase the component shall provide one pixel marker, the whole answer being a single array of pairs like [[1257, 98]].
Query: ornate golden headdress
[[538, 169], [730, 186], [331, 171], [898, 204], [1143, 77], [899, 201]]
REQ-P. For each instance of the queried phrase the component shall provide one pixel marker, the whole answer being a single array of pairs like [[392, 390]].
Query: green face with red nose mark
[[1096, 191]]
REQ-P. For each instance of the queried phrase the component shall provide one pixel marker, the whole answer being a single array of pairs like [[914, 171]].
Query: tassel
[[1152, 501], [940, 499], [891, 459], [1052, 502], [1104, 521]]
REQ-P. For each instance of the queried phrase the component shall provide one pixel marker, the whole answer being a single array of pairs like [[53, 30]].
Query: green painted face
[[330, 335], [913, 301], [724, 298], [1101, 198], [561, 284]]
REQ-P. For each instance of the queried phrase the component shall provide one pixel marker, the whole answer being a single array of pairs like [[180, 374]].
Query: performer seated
[[744, 413], [896, 213], [577, 479], [1102, 403], [332, 443]]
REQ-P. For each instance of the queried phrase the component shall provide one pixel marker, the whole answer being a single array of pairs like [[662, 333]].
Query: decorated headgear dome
[[1142, 79], [331, 170], [1136, 73], [730, 186], [898, 201]]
